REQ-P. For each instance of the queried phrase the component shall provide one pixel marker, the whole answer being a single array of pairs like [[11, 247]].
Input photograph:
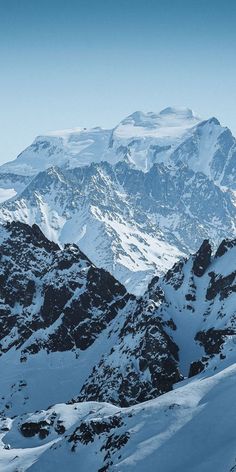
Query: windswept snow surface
[[189, 429], [6, 194]]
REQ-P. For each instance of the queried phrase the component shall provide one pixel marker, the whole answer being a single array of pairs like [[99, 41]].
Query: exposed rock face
[[202, 259], [221, 286], [200, 294], [224, 246], [213, 339], [43, 286], [142, 365]]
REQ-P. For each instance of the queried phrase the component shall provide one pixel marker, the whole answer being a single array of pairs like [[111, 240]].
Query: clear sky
[[68, 63]]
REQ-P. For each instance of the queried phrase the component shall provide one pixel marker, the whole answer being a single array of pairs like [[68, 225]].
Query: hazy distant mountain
[[173, 135]]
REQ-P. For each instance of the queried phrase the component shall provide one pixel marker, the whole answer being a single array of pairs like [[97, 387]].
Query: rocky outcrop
[[202, 259], [142, 365]]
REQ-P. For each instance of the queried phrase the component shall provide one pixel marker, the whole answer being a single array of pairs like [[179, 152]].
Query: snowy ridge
[[131, 223], [105, 438], [141, 138]]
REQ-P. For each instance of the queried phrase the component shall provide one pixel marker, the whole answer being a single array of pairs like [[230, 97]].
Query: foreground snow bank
[[190, 428]]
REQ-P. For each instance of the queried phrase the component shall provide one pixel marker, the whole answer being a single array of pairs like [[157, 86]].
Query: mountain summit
[[142, 139]]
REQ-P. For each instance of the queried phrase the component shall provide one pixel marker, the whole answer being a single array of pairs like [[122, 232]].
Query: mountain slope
[[191, 428], [195, 303], [65, 322], [131, 223], [60, 314], [135, 198], [59, 310]]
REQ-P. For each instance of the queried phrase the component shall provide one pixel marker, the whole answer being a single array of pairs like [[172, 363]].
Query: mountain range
[[135, 198], [72, 337], [117, 298]]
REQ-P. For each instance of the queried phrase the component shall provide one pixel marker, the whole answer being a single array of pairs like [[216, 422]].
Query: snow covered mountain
[[56, 304], [131, 223], [142, 139], [133, 198], [195, 303], [60, 314], [94, 375], [72, 336], [134, 135]]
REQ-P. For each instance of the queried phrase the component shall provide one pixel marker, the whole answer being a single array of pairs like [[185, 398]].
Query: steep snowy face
[[210, 149], [145, 138], [169, 124], [131, 223], [90, 207], [200, 294], [42, 286], [142, 363], [189, 313]]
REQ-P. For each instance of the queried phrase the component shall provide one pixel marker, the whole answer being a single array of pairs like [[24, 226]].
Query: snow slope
[[60, 314], [191, 428]]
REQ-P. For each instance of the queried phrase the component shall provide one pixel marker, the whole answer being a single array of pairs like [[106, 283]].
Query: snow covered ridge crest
[[166, 432]]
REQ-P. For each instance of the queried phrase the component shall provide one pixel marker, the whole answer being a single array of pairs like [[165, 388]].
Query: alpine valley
[[118, 299]]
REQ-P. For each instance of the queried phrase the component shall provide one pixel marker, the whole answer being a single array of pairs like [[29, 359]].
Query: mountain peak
[[211, 121], [140, 118], [183, 112]]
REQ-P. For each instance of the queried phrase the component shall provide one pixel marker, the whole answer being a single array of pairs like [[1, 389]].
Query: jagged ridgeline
[[136, 198], [61, 314]]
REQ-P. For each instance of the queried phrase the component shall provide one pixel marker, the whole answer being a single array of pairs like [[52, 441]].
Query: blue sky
[[86, 63]]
